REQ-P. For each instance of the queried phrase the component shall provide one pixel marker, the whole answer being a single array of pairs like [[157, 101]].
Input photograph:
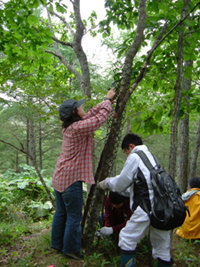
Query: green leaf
[[23, 185], [32, 20]]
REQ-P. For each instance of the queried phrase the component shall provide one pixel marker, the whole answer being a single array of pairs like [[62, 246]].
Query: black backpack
[[169, 209]]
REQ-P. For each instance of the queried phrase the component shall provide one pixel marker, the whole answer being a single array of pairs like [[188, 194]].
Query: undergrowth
[[29, 245], [25, 231]]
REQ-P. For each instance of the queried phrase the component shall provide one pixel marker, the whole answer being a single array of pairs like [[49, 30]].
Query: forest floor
[[32, 249]]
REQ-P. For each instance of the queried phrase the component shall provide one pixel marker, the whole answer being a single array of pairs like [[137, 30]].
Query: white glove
[[106, 231], [102, 185]]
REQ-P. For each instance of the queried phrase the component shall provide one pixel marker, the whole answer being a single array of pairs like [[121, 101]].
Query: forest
[[152, 61]]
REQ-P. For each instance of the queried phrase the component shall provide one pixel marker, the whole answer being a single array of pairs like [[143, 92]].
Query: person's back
[[191, 226]]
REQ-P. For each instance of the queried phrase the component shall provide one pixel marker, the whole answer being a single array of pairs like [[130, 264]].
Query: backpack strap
[[146, 161], [148, 164]]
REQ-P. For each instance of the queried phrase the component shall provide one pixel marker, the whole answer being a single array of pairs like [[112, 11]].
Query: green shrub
[[26, 191]]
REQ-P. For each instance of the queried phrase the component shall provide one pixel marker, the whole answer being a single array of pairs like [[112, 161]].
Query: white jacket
[[124, 182]]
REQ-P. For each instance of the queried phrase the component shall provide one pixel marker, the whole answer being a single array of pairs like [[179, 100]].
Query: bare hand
[[111, 94]]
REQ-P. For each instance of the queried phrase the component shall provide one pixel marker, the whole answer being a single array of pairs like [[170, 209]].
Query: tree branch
[[155, 46], [51, 28], [177, 25], [63, 20], [54, 38], [54, 54], [36, 168], [94, 27], [21, 150], [62, 42]]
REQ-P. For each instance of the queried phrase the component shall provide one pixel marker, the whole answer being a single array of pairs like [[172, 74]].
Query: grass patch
[[30, 246]]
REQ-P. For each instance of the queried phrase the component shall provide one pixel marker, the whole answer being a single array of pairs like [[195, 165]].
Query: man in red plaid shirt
[[73, 167]]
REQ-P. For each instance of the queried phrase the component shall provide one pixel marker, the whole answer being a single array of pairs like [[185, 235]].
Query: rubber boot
[[162, 263], [128, 258]]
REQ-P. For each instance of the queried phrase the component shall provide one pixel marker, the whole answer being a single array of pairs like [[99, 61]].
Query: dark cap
[[67, 107]]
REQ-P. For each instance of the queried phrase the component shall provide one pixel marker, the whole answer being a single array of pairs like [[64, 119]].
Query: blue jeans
[[66, 226]]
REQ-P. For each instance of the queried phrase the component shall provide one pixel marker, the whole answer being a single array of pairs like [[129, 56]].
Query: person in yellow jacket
[[190, 229]]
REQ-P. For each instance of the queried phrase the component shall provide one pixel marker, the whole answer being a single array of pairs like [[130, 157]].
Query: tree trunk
[[128, 127], [76, 45], [17, 162], [32, 142], [177, 97], [195, 155], [108, 153], [182, 171], [27, 141], [40, 145]]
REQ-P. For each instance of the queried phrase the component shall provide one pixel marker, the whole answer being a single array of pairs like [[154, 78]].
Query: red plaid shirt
[[75, 161]]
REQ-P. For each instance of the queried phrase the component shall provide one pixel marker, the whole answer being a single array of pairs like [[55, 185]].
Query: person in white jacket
[[138, 225]]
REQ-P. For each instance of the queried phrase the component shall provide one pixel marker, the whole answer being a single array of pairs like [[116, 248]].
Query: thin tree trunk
[[32, 142], [17, 162], [195, 155], [128, 126], [27, 140], [40, 145], [177, 97], [182, 171]]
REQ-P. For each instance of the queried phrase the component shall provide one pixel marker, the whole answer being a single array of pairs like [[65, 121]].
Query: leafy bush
[[26, 189]]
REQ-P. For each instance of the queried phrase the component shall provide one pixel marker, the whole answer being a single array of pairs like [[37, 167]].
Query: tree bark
[[195, 155], [177, 97], [32, 142], [40, 145], [182, 171], [17, 162], [27, 140], [77, 46]]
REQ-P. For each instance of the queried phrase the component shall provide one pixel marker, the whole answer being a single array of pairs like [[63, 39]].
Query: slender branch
[[54, 38], [62, 42], [196, 74], [63, 20], [59, 54], [54, 54], [94, 27], [195, 82], [21, 150], [62, 59], [154, 47], [19, 142], [177, 25], [51, 28], [36, 168]]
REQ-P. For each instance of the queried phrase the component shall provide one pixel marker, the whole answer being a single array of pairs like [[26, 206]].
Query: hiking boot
[[58, 249], [75, 256]]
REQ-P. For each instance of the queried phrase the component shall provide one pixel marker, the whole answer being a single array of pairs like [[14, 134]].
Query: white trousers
[[136, 229]]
